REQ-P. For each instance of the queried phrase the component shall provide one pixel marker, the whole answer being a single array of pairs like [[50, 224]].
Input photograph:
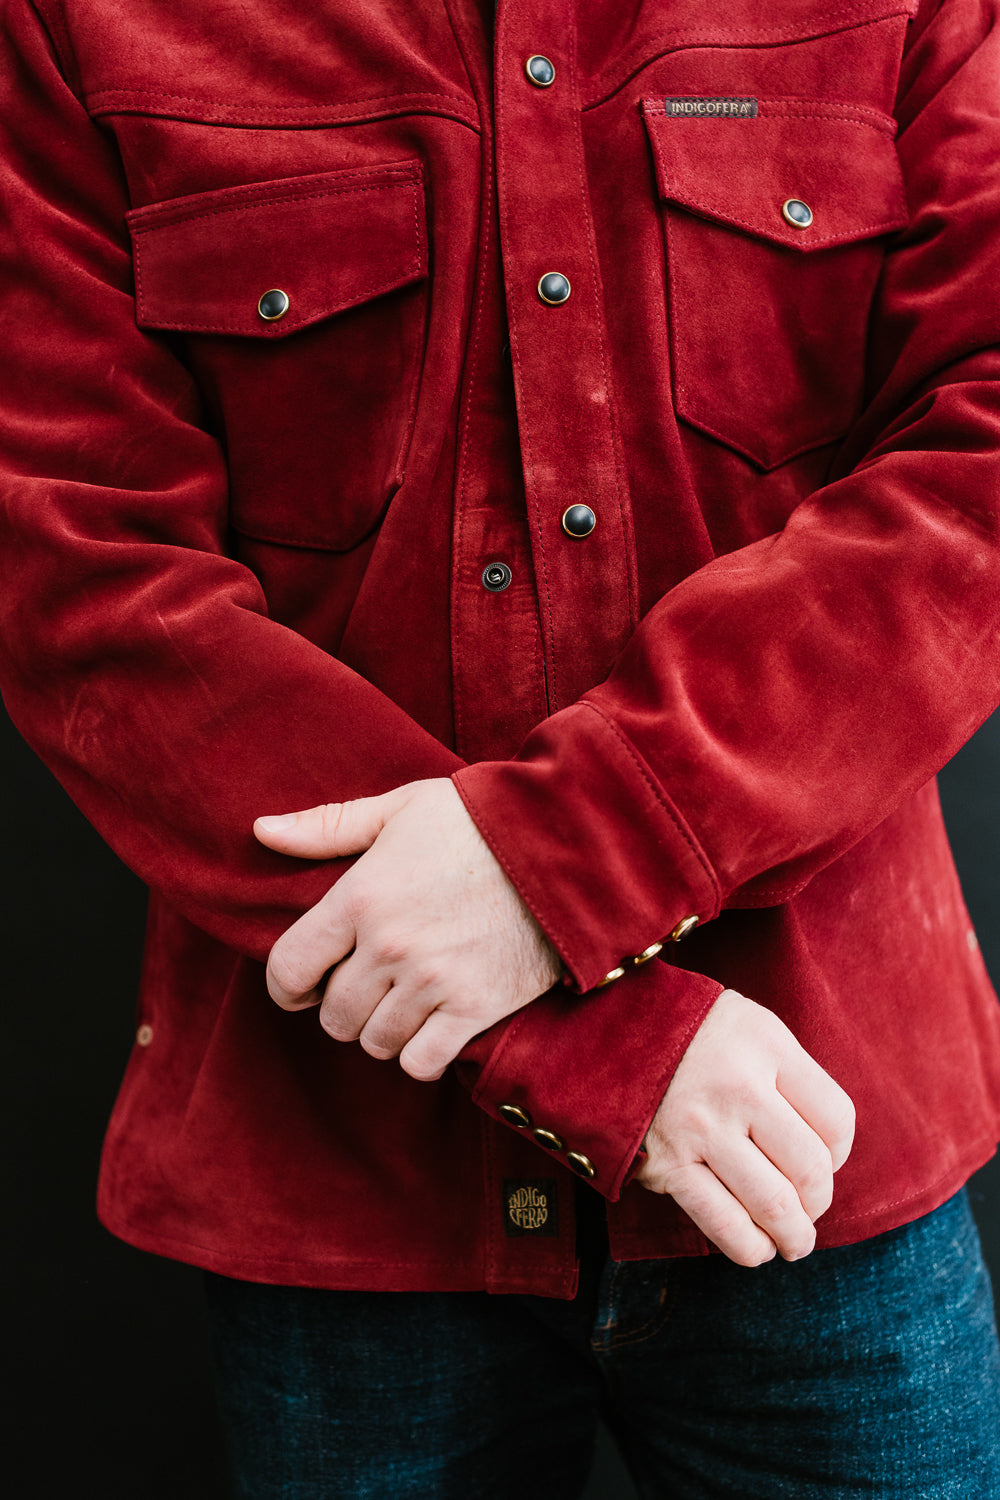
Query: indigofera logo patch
[[719, 108], [530, 1206]]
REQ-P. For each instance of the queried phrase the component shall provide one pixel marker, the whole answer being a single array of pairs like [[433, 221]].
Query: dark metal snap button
[[578, 520], [554, 288], [797, 213], [540, 71], [273, 305], [496, 577]]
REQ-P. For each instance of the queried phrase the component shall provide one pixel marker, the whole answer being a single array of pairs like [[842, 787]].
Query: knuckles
[[287, 980], [781, 1204]]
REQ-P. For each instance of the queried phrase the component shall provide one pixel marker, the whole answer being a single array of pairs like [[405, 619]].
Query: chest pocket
[[774, 231], [301, 307]]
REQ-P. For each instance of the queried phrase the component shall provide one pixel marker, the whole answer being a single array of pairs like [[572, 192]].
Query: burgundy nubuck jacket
[[618, 434]]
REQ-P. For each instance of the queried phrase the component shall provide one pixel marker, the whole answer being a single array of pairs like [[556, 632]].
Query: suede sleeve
[[137, 658], [778, 703]]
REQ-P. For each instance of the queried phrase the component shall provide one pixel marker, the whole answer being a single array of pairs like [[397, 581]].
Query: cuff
[[584, 1076], [594, 847]]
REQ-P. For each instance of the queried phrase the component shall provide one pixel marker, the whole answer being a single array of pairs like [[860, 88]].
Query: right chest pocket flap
[[774, 227], [314, 386]]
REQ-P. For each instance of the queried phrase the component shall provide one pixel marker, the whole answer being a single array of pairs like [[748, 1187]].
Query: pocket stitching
[[261, 194], [363, 294]]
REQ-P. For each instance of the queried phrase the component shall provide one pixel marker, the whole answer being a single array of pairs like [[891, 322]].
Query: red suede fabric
[[241, 568]]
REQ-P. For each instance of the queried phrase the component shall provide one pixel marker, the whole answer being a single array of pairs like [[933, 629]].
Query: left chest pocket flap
[[775, 230], [301, 305], [327, 241]]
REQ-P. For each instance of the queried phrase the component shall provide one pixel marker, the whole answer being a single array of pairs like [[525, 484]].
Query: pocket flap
[[328, 241], [741, 171]]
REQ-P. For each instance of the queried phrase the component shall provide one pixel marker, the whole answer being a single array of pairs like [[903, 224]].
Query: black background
[[106, 1352]]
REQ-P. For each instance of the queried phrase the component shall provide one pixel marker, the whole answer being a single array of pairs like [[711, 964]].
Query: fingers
[[312, 945], [797, 1152], [719, 1216], [751, 1109], [331, 830], [819, 1100], [437, 1043], [768, 1196], [355, 994], [365, 1006]]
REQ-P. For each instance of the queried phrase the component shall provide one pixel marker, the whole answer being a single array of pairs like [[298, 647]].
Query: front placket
[[575, 485]]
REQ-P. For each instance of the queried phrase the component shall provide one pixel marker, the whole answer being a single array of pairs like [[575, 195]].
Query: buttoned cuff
[[592, 844], [583, 1076]]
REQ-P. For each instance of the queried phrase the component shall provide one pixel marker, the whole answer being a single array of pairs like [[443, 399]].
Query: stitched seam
[[492, 1248], [660, 1087], [275, 1260], [493, 1063], [470, 374], [548, 625], [320, 119], [415, 266], [278, 109], [779, 108], [687, 38], [919, 1193], [640, 1237], [727, 217], [645, 1331], [690, 412], [259, 199], [361, 295], [658, 795], [621, 496]]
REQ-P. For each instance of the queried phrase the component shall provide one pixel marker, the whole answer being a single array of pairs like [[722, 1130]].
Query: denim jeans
[[870, 1370]]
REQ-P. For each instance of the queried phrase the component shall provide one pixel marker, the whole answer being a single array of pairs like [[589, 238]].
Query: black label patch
[[717, 108], [530, 1206]]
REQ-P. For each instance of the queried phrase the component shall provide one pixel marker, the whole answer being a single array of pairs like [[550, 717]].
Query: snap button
[[514, 1115], [682, 929], [554, 288], [496, 577], [273, 305], [582, 1165], [610, 978], [647, 954], [540, 71], [578, 520], [797, 213], [144, 1035], [549, 1138]]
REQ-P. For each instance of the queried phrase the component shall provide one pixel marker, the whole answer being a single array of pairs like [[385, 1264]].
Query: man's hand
[[428, 940], [749, 1135]]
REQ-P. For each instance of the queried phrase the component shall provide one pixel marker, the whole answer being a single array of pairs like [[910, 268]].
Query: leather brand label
[[530, 1206], [719, 108]]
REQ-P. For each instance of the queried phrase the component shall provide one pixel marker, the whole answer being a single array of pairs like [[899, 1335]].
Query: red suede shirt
[[245, 568]]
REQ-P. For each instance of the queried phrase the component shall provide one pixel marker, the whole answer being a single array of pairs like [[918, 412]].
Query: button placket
[[555, 313]]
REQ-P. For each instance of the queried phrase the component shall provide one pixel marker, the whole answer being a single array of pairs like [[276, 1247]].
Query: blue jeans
[[870, 1370]]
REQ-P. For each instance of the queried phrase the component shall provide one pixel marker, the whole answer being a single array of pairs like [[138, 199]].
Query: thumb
[[330, 830]]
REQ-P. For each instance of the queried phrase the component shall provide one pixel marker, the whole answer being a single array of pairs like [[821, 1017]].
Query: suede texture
[[241, 568]]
